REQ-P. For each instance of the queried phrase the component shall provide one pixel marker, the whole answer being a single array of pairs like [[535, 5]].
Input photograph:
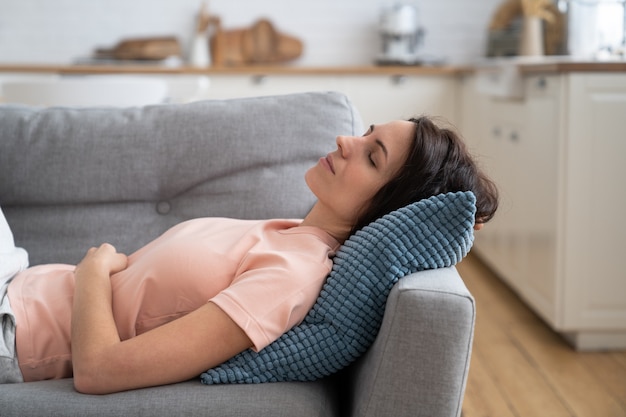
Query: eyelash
[[369, 156]]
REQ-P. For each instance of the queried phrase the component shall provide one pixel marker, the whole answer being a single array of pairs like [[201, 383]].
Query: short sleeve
[[276, 285]]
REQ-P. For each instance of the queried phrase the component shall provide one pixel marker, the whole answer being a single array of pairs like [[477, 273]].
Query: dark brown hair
[[438, 162]]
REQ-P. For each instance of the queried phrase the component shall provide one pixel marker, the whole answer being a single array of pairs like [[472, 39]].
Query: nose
[[345, 145]]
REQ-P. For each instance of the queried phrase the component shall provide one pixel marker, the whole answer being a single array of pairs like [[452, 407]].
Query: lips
[[328, 163]]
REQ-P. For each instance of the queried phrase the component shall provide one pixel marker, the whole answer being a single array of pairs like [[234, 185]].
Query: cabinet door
[[382, 98], [379, 98], [246, 85], [518, 146], [494, 128], [539, 189], [506, 140], [595, 229], [472, 114]]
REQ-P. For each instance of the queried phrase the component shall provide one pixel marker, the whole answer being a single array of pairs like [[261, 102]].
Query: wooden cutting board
[[155, 48]]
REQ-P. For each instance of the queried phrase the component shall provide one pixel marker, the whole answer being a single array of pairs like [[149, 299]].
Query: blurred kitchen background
[[333, 32], [538, 88]]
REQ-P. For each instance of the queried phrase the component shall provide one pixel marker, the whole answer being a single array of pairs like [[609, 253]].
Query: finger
[[120, 262], [107, 247]]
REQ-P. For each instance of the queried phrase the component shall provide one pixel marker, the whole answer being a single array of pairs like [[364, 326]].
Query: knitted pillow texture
[[432, 233]]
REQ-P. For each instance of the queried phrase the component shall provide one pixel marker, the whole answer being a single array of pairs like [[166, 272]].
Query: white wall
[[335, 32]]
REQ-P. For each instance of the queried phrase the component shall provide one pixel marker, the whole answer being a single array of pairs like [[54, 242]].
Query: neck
[[321, 217]]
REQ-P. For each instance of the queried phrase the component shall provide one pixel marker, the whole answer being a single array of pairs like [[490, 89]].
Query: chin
[[309, 179]]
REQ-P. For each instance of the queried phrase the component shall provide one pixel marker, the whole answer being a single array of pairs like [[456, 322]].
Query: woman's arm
[[177, 351]]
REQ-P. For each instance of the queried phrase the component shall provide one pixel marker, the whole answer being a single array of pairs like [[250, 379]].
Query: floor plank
[[563, 368], [518, 378], [610, 373], [620, 357], [520, 367], [483, 396]]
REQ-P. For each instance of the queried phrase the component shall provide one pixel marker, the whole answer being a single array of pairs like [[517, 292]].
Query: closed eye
[[378, 141], [369, 156]]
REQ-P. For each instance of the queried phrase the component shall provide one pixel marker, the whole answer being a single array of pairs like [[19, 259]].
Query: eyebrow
[[380, 143]]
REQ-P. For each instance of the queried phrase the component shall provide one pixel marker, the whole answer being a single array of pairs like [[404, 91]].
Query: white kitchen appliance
[[401, 35], [596, 28]]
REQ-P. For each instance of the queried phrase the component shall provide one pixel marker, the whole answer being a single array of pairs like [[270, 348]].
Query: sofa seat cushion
[[58, 398]]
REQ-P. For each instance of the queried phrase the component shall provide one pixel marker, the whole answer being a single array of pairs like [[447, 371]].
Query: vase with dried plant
[[535, 12]]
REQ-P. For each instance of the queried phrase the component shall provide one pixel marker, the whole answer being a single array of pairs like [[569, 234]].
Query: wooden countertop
[[249, 70], [565, 67], [549, 65]]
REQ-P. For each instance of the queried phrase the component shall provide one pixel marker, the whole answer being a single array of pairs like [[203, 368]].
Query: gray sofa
[[73, 178]]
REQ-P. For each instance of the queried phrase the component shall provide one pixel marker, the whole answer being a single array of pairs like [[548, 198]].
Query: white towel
[[12, 259]]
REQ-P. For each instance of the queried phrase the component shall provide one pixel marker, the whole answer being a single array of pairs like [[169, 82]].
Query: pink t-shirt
[[266, 275]]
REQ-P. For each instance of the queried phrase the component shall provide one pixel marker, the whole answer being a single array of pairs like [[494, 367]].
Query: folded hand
[[104, 259]]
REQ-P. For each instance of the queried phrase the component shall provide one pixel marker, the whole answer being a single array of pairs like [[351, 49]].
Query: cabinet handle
[[496, 131], [398, 79], [259, 79], [514, 137], [542, 83]]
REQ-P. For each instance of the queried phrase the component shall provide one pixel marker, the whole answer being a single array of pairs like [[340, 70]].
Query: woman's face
[[347, 179]]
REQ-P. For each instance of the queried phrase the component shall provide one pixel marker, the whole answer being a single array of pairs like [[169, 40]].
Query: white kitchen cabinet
[[379, 98], [557, 155], [226, 86], [111, 89], [384, 98], [594, 227]]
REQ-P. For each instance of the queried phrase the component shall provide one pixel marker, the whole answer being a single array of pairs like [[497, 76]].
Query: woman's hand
[[93, 326], [174, 352], [102, 260]]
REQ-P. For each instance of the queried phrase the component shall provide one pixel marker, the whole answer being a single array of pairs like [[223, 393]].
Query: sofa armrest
[[419, 361]]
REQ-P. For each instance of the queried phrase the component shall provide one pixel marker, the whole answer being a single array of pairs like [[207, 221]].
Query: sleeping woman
[[210, 288]]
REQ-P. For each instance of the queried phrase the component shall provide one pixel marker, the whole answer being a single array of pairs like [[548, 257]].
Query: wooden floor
[[520, 368]]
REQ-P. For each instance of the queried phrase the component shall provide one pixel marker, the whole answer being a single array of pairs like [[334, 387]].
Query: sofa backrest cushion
[[73, 178]]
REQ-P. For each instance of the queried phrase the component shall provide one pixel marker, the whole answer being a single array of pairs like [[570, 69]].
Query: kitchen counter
[[248, 70], [548, 65], [525, 65], [504, 77], [395, 86], [564, 67]]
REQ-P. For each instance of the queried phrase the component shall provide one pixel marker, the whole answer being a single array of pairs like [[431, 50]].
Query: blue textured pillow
[[432, 233]]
